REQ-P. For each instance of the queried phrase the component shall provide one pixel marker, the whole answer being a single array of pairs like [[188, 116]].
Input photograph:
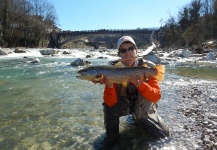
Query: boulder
[[66, 52], [152, 57], [48, 52], [2, 52], [88, 56], [19, 51], [211, 56], [80, 62], [186, 53]]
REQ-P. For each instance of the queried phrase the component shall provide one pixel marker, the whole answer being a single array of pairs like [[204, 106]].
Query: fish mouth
[[79, 77], [80, 74]]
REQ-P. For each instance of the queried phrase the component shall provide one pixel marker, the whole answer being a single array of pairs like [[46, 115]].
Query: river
[[44, 106]]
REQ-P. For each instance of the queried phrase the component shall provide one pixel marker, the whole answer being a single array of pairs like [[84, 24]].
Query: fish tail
[[160, 73]]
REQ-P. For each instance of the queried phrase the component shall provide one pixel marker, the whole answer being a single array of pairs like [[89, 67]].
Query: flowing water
[[43, 106]]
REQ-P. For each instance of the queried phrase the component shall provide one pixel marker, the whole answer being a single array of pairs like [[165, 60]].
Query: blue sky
[[79, 15]]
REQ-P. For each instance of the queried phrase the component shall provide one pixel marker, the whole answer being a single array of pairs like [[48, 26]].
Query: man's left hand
[[136, 80]]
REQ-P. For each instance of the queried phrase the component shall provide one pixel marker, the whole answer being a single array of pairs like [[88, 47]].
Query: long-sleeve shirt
[[150, 90]]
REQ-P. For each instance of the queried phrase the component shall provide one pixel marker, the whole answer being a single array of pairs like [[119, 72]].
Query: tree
[[26, 22], [194, 11], [184, 18], [214, 18], [207, 20]]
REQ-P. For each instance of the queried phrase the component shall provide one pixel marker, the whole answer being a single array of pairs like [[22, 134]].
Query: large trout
[[119, 74]]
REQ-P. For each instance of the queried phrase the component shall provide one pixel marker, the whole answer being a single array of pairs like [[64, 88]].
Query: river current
[[44, 106]]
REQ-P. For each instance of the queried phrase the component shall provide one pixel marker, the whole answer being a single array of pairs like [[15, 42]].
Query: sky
[[81, 15]]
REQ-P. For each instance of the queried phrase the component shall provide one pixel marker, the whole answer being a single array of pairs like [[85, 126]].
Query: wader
[[130, 101]]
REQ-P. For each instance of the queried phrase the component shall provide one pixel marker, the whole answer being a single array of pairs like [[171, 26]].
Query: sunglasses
[[130, 49]]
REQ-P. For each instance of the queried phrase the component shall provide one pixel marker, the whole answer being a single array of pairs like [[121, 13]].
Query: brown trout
[[117, 74]]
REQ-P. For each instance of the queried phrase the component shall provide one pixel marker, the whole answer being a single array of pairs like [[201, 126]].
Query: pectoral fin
[[145, 65]]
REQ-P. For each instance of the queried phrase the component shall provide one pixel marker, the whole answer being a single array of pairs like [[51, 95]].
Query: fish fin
[[124, 84], [145, 65], [98, 77], [160, 72]]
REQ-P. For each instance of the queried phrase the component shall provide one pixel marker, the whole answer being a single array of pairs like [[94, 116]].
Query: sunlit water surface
[[44, 106]]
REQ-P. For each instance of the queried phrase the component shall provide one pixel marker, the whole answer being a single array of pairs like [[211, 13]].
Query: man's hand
[[105, 81], [136, 80]]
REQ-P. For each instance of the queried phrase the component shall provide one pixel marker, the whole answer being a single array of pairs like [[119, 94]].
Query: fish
[[120, 74]]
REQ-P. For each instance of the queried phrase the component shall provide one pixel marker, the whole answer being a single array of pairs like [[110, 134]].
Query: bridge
[[104, 38]]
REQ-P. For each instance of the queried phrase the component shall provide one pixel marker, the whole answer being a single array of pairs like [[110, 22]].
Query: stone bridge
[[105, 38]]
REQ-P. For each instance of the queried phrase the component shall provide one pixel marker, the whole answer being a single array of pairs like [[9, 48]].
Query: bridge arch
[[141, 35]]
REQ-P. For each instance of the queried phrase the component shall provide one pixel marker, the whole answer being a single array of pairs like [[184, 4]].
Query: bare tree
[[25, 22]]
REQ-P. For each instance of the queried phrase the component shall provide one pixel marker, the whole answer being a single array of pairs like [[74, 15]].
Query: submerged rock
[[33, 61]]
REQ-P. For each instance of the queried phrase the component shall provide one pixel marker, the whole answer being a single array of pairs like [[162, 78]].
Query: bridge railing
[[106, 31]]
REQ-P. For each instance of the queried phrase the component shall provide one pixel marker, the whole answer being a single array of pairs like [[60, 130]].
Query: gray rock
[[215, 145], [152, 57], [66, 52], [212, 116], [33, 61], [186, 53], [80, 62], [19, 51], [211, 56], [2, 52], [48, 52]]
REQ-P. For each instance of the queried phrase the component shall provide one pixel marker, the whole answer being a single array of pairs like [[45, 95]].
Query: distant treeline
[[196, 23], [26, 22]]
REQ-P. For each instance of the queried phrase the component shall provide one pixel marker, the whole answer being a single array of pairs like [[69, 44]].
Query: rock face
[[80, 62], [2, 52]]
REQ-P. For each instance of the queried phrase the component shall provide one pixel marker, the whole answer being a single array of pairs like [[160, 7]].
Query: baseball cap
[[125, 39]]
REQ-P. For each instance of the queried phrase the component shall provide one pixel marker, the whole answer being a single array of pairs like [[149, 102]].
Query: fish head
[[87, 73]]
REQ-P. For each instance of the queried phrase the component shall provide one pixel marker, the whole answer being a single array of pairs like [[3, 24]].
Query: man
[[138, 98]]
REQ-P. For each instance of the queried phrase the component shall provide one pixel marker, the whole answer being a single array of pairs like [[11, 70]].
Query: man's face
[[128, 50]]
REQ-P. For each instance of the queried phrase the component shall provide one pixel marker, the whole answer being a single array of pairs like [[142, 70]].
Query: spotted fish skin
[[120, 74]]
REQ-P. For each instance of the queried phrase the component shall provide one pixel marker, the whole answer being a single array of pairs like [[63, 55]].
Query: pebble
[[199, 107], [215, 145], [212, 116]]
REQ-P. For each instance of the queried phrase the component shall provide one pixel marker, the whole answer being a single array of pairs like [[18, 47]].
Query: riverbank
[[200, 101]]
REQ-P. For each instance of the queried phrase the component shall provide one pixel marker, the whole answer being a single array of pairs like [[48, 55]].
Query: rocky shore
[[201, 106]]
